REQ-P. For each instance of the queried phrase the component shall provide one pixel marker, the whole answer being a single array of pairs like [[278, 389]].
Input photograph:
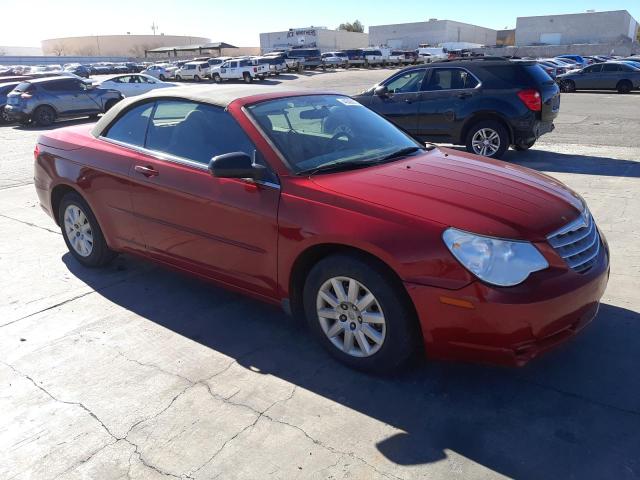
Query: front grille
[[578, 243]]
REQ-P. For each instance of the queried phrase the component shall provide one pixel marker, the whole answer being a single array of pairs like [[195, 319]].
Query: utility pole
[[154, 27]]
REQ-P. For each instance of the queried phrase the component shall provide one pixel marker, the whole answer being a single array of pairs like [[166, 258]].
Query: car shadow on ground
[[569, 163], [573, 413]]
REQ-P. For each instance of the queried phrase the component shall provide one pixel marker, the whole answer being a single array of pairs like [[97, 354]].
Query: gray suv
[[43, 100], [602, 76]]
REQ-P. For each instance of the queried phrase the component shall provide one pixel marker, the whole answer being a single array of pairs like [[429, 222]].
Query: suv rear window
[[510, 76]]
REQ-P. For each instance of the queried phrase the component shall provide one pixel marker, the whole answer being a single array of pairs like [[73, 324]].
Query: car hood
[[469, 192]]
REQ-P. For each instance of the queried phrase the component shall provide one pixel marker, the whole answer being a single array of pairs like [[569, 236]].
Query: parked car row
[[82, 70]]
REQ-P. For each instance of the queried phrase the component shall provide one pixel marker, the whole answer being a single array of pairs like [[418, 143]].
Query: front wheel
[[360, 314], [162, 77], [197, 78], [247, 78], [217, 78], [567, 86], [487, 138], [81, 232]]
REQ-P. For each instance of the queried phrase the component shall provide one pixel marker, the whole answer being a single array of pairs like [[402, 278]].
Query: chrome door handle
[[146, 171]]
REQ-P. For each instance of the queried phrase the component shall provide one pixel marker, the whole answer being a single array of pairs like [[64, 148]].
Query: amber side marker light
[[456, 302]]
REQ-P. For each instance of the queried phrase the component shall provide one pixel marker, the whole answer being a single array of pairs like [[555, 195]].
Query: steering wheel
[[336, 144]]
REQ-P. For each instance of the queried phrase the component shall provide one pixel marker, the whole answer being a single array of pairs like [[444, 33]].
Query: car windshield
[[329, 130]]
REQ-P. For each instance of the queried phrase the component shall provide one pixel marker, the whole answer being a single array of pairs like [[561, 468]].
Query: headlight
[[500, 262]]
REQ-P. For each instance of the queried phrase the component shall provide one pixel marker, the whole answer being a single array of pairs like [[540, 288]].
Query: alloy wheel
[[351, 317], [486, 142], [78, 230]]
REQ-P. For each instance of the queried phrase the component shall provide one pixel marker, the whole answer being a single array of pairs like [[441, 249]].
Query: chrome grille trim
[[578, 243]]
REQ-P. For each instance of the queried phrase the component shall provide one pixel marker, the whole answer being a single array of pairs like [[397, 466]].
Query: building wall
[[547, 51], [506, 38], [595, 27], [115, 45], [434, 32], [322, 38]]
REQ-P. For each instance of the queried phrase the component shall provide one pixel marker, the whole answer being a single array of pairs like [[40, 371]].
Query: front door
[[221, 228], [400, 104]]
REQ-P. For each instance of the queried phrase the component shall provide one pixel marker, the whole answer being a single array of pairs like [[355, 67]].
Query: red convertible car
[[312, 201]]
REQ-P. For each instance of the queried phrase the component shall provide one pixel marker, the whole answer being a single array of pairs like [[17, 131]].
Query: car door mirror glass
[[236, 165], [381, 91]]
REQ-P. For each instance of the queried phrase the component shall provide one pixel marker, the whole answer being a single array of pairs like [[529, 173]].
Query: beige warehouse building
[[115, 45]]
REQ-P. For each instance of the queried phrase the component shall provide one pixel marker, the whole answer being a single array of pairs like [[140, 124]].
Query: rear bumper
[[533, 132], [16, 114], [508, 326]]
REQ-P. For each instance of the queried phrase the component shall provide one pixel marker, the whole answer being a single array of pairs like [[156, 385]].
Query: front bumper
[[509, 326]]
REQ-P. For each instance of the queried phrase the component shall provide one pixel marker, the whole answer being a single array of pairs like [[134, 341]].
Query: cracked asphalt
[[139, 372]]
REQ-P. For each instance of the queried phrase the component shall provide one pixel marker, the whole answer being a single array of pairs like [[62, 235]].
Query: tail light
[[26, 95], [531, 98], [36, 152], [255, 69]]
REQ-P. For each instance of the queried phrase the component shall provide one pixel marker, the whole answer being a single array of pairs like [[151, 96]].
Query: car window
[[593, 68], [195, 131], [628, 68], [407, 82], [131, 127], [611, 67], [450, 79]]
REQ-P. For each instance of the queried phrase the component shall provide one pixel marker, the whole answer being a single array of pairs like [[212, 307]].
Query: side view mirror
[[381, 91], [236, 165]]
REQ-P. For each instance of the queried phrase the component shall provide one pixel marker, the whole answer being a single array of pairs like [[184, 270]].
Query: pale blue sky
[[240, 21]]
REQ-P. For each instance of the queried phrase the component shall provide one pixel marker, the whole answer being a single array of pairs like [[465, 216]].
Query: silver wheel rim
[[486, 142], [351, 317], [78, 230]]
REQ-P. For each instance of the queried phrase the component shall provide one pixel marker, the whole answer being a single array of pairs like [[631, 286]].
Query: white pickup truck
[[239, 69]]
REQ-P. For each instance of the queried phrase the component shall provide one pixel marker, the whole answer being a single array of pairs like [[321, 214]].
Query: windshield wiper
[[353, 164]]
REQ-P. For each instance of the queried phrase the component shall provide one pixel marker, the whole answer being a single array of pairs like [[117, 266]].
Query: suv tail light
[[36, 152], [531, 98]]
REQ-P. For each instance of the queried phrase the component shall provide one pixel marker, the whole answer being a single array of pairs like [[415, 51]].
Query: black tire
[[522, 146], [178, 78], [624, 86], [567, 86], [101, 254], [197, 78], [497, 127], [402, 332], [4, 116], [44, 116], [162, 78], [247, 77], [217, 78], [109, 104]]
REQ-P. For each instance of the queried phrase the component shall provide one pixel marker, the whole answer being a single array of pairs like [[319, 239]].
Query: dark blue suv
[[5, 88], [484, 103]]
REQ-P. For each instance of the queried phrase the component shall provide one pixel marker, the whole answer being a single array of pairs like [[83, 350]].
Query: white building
[[313, 37], [589, 27], [433, 32]]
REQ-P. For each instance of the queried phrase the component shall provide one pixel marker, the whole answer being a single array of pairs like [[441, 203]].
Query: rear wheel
[[217, 78], [178, 78], [360, 314], [487, 138], [624, 86], [162, 77], [196, 78], [44, 116], [567, 86], [4, 116], [247, 77], [81, 232]]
